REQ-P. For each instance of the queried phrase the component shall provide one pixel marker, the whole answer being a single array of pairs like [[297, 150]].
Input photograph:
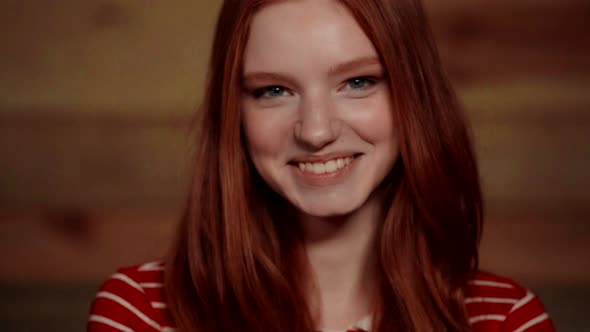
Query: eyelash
[[263, 92], [369, 82]]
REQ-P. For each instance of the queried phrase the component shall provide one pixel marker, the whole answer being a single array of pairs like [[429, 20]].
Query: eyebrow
[[333, 71], [265, 76], [353, 64]]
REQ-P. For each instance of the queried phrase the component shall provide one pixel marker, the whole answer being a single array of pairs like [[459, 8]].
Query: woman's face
[[316, 107]]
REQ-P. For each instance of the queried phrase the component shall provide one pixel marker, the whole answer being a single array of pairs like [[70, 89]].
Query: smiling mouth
[[326, 167]]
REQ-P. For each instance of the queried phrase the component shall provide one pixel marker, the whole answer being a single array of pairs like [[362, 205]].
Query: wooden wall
[[95, 100], [522, 70]]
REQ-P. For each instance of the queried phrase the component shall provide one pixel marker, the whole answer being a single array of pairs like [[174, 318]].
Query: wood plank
[[495, 40], [53, 246], [540, 246], [88, 163], [117, 54], [96, 100], [80, 161], [532, 101], [134, 57], [554, 252], [545, 161]]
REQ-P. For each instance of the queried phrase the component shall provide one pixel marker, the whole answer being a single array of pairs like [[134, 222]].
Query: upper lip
[[322, 158]]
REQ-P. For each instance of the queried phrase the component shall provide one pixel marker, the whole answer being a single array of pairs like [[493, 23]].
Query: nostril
[[316, 130]]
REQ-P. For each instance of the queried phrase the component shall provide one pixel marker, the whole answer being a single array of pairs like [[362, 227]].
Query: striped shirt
[[133, 299]]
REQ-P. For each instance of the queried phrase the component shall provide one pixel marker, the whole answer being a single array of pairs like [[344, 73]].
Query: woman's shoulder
[[131, 299], [496, 303]]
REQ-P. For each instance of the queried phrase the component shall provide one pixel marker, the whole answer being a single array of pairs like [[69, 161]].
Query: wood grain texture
[[498, 40], [92, 161], [96, 99], [41, 247], [540, 244], [532, 143], [117, 55]]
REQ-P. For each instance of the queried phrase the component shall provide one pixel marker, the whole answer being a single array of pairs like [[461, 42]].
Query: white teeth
[[327, 167], [319, 168], [331, 166]]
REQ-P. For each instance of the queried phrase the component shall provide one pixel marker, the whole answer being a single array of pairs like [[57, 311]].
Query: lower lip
[[325, 179]]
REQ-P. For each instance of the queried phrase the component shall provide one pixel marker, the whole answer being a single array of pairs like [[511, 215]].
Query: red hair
[[238, 266]]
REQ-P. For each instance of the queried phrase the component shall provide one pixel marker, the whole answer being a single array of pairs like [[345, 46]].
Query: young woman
[[335, 187]]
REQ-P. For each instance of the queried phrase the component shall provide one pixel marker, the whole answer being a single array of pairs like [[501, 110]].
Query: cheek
[[265, 134], [373, 119]]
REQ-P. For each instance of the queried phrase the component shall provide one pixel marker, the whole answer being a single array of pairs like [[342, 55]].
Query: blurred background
[[95, 102]]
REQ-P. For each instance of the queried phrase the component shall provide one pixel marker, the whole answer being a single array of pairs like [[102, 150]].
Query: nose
[[318, 125]]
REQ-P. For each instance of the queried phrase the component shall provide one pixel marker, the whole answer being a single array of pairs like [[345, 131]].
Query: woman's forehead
[[305, 33]]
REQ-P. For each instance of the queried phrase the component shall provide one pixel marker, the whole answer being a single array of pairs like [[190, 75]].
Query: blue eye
[[269, 92], [360, 83]]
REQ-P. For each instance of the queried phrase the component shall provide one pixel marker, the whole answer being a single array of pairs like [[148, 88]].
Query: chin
[[324, 208]]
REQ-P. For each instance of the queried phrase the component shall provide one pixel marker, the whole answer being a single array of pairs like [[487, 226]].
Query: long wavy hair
[[237, 265]]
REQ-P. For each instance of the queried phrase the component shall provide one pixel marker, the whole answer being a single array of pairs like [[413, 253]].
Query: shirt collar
[[363, 325]]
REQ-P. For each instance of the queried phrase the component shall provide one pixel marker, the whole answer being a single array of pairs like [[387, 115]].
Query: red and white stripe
[[133, 300]]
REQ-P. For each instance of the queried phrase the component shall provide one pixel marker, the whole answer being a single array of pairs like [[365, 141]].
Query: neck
[[341, 255]]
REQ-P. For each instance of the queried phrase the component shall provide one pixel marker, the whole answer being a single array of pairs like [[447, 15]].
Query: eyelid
[[259, 92], [370, 80]]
